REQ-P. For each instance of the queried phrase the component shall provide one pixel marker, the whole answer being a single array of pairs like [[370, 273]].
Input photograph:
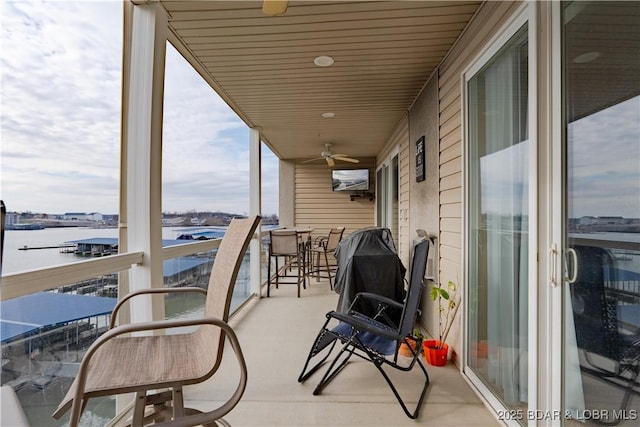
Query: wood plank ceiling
[[263, 66]]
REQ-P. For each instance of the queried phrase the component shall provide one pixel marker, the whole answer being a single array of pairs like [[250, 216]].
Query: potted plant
[[436, 350], [412, 340]]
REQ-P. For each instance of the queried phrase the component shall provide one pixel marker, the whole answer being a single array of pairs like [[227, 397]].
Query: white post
[[255, 208], [142, 107]]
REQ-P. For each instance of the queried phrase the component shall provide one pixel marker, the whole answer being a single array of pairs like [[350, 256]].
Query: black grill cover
[[368, 262]]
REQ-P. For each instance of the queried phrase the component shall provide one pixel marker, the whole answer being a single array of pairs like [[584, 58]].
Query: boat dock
[[61, 247]]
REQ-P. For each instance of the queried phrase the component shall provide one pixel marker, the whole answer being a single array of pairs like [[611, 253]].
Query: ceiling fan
[[274, 7], [331, 157]]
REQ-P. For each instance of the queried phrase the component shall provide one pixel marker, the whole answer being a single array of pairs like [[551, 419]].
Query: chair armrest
[[362, 325], [188, 289], [377, 298], [164, 324], [320, 241]]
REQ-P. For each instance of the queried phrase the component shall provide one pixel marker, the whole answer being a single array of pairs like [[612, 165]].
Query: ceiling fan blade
[[330, 162], [313, 160], [274, 7], [346, 159]]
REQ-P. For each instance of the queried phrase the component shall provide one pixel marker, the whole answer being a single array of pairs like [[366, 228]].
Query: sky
[[60, 86], [603, 169], [604, 166]]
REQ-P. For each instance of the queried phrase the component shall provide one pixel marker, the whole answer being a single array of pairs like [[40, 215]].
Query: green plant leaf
[[434, 293], [444, 293]]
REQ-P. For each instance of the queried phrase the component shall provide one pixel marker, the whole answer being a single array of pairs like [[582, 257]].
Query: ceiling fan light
[[323, 61], [274, 7], [328, 115]]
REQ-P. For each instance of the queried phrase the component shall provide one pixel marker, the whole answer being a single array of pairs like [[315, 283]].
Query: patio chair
[[320, 249], [284, 244], [375, 339], [304, 244], [116, 364], [596, 314]]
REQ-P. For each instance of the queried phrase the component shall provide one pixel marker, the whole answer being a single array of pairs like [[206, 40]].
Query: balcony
[[275, 335]]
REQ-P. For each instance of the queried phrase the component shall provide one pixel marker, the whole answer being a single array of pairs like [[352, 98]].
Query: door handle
[[571, 279], [553, 263]]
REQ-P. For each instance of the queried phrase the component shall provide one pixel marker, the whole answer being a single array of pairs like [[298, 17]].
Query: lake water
[[16, 260], [38, 402]]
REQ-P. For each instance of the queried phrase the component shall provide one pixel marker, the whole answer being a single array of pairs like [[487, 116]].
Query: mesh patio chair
[[375, 339], [599, 331], [304, 244], [304, 240], [285, 244], [320, 249], [116, 364]]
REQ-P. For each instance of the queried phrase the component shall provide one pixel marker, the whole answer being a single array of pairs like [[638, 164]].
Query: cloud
[[603, 169], [60, 118]]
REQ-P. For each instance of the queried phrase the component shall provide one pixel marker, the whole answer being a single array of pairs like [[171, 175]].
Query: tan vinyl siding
[[316, 206], [475, 38], [403, 226], [400, 140]]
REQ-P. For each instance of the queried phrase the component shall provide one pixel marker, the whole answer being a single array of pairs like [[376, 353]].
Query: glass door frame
[[384, 193], [552, 274], [526, 14]]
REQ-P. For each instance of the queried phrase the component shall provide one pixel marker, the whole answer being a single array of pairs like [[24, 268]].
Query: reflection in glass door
[[498, 223], [601, 70], [387, 196]]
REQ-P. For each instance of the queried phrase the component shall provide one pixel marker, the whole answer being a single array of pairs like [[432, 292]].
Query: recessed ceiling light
[[586, 57], [328, 115], [323, 61]]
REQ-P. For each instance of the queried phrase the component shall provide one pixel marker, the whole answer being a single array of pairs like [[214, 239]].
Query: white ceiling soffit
[[263, 66]]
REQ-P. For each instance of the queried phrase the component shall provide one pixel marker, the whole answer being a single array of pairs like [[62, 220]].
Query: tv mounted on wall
[[350, 179]]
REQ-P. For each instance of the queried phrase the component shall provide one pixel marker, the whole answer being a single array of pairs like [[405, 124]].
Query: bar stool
[[284, 244], [324, 245]]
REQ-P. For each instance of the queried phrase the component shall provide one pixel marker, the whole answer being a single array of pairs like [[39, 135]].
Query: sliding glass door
[[498, 157], [387, 195], [601, 213]]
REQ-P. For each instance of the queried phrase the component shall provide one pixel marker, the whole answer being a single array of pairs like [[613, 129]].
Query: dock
[[28, 248]]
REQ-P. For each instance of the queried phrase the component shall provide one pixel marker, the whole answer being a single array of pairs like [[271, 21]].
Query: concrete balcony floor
[[276, 333]]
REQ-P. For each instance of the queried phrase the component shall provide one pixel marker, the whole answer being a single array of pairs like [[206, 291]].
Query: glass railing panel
[[195, 271], [44, 337]]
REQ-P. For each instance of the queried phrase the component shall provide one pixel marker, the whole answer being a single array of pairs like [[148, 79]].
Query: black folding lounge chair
[[375, 339], [598, 330]]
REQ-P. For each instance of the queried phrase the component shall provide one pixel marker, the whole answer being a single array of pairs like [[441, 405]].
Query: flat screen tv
[[350, 179]]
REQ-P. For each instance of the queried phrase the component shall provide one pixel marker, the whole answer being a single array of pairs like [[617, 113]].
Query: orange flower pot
[[435, 356], [404, 349]]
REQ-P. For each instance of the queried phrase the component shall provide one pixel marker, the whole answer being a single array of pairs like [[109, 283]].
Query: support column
[[255, 208], [142, 102]]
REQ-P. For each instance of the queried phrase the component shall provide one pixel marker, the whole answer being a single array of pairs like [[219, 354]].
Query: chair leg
[[326, 260], [323, 340], [138, 410], [268, 277], [305, 258], [334, 370], [317, 269], [413, 415], [178, 403], [302, 271], [298, 279]]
